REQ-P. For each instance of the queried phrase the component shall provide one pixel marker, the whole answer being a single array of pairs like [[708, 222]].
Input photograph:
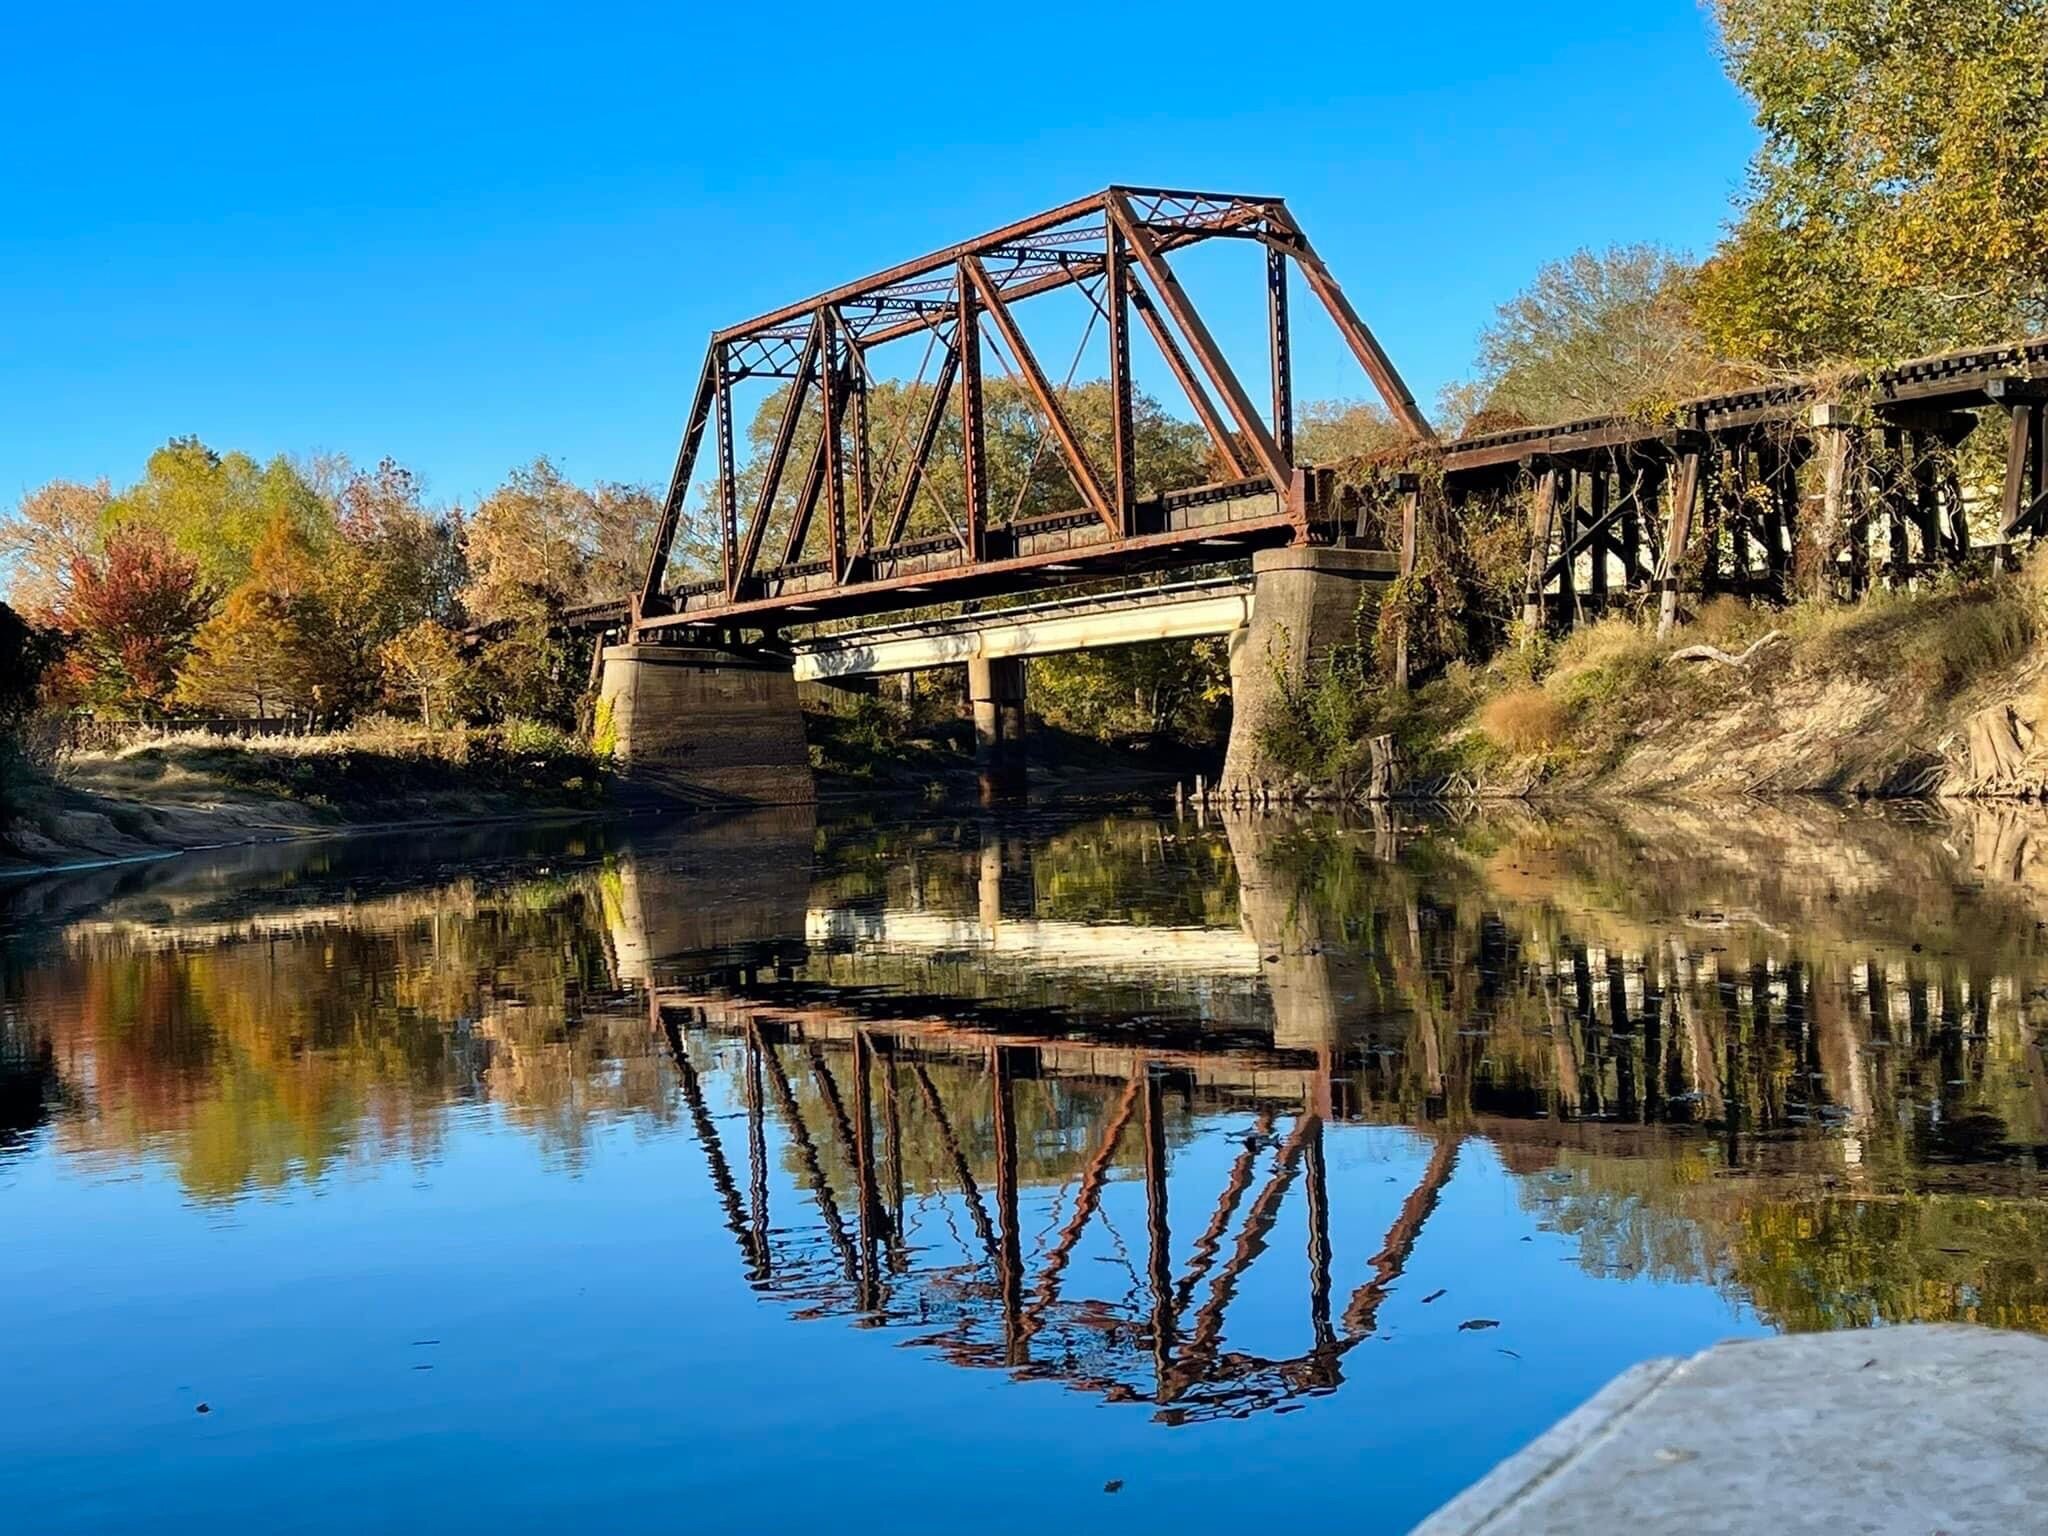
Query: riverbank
[[194, 790], [1932, 693]]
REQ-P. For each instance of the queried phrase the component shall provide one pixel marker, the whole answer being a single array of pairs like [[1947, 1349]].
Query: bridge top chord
[[841, 523]]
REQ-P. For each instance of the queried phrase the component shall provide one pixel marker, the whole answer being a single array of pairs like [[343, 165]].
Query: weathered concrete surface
[[1145, 614], [995, 689], [1889, 1432], [705, 726], [1305, 604]]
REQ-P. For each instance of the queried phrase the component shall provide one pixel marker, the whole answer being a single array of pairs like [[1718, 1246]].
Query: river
[[1072, 1168]]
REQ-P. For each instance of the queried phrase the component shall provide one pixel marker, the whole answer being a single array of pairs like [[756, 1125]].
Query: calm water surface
[[1061, 1170]]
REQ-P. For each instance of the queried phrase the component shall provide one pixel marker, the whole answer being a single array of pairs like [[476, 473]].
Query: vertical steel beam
[[1010, 1258], [974, 464], [1315, 1185], [831, 453], [1159, 1268], [728, 485], [1117, 302], [863, 474], [679, 481], [1283, 353], [1278, 469]]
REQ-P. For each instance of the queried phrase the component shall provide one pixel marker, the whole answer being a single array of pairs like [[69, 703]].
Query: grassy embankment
[[1896, 694], [186, 789]]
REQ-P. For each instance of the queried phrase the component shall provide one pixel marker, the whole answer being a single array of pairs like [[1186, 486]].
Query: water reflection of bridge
[[1163, 1341]]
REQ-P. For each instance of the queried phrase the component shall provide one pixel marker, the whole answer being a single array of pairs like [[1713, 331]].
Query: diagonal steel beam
[[1363, 1311], [921, 451], [1093, 1178], [1274, 464], [1079, 470], [778, 456], [832, 455], [708, 384], [1357, 334], [1176, 360]]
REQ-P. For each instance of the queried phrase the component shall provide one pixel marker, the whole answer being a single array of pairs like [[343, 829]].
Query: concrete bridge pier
[[701, 725], [1307, 601], [995, 686]]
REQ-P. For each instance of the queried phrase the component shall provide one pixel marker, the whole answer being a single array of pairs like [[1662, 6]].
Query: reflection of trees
[[252, 1053], [1794, 1053]]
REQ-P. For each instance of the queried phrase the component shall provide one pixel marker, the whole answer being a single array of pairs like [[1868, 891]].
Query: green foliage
[[216, 509], [1177, 688], [1317, 727], [1596, 333], [1899, 202]]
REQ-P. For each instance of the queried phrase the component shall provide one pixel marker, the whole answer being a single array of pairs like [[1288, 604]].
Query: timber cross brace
[[843, 519], [1806, 484]]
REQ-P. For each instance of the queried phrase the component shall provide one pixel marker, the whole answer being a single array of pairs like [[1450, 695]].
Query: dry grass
[[377, 760], [1525, 721]]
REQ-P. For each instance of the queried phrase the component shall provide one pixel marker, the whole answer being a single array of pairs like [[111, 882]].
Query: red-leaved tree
[[133, 611]]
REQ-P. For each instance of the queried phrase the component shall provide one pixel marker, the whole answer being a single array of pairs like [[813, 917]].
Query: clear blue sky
[[463, 236]]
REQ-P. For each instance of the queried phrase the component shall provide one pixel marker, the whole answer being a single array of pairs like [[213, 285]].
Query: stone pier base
[[704, 726], [1305, 604]]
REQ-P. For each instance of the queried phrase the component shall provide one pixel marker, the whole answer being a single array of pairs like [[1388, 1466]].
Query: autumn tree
[[530, 547], [389, 564], [260, 653], [1164, 687], [425, 666], [49, 531], [1596, 333], [1898, 203], [133, 612]]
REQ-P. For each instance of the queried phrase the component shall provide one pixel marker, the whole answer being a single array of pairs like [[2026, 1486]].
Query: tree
[[1332, 431], [530, 548], [1164, 687], [216, 508], [134, 611], [390, 565], [1899, 201], [52, 527], [1595, 333], [425, 665], [259, 652], [622, 521]]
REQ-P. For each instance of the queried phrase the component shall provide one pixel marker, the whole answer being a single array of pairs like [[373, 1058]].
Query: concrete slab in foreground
[[1898, 1430]]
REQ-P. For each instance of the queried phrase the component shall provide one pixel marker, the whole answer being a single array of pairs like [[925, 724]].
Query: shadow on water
[[1048, 1093]]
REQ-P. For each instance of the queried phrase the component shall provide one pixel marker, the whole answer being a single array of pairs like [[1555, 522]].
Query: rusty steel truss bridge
[[842, 517]]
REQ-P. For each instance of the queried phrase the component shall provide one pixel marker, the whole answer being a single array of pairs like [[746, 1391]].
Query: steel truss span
[[969, 304]]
